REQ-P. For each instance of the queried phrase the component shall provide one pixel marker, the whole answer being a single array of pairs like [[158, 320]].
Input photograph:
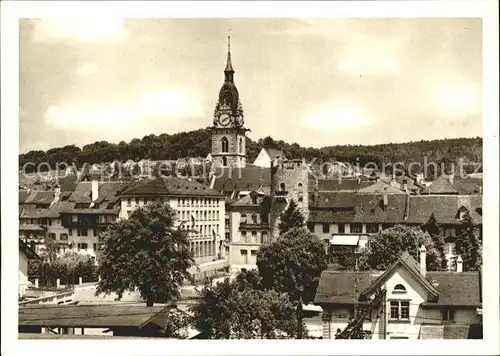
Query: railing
[[50, 299]]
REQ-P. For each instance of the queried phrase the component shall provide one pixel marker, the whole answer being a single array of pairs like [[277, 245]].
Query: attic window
[[300, 184], [399, 288]]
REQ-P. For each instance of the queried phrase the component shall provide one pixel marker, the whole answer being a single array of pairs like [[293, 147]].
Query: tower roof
[[229, 65]]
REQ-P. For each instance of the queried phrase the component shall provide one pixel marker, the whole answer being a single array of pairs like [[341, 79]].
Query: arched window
[[224, 144], [224, 161], [282, 186], [399, 288], [300, 185]]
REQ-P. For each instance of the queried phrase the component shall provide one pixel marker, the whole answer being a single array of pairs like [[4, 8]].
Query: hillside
[[197, 143]]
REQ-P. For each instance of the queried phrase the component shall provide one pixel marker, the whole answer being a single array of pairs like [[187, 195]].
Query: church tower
[[228, 133]]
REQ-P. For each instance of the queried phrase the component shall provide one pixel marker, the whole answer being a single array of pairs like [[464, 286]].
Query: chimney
[[95, 190], [423, 253], [460, 264], [404, 185]]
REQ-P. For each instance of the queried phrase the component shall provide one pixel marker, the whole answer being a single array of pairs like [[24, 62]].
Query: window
[[145, 201], [224, 145], [52, 236], [82, 246], [310, 227], [326, 228], [136, 201], [341, 228], [224, 161], [70, 231], [400, 310], [243, 219], [241, 145], [448, 314], [253, 252], [356, 228], [399, 288], [263, 237], [243, 234], [254, 233], [372, 228], [63, 237], [254, 218], [300, 185], [282, 186], [50, 222]]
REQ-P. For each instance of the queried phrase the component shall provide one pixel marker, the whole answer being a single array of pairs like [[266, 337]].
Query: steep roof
[[331, 216], [441, 185], [39, 197], [342, 184], [30, 253], [171, 186], [332, 199], [468, 185], [444, 207], [380, 188], [68, 182], [242, 179], [23, 195], [412, 266], [108, 315], [274, 153], [338, 287], [460, 289], [370, 208]]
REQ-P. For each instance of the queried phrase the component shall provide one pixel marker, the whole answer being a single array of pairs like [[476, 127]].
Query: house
[[403, 302], [456, 185], [248, 229], [117, 319], [199, 209], [236, 182], [266, 156], [25, 253]]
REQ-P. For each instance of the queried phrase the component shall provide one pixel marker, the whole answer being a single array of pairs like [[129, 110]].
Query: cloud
[[87, 69], [86, 29], [336, 119], [156, 105]]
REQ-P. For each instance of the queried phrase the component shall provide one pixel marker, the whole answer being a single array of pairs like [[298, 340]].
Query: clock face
[[224, 120]]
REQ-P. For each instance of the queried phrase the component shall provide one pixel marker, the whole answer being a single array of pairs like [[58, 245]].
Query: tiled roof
[[468, 186], [242, 179], [170, 186], [448, 331], [461, 289], [342, 184], [332, 199], [68, 182], [330, 216], [441, 185], [106, 192], [30, 253], [379, 188], [30, 227], [343, 287], [30, 213], [370, 208], [247, 199], [39, 197], [87, 315], [274, 152], [444, 207]]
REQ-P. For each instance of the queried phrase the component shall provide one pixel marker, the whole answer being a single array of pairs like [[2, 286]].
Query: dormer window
[[399, 288]]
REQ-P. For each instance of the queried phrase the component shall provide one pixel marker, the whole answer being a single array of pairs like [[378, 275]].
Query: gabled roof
[[242, 179], [412, 266], [370, 208], [332, 199], [274, 153], [342, 184], [39, 197], [456, 288], [171, 186], [108, 315], [441, 185], [331, 216], [444, 207], [338, 287], [380, 188]]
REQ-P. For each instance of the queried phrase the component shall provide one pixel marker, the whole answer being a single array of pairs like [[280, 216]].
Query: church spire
[[229, 71]]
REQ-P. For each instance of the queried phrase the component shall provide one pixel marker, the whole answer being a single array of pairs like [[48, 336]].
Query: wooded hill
[[197, 144]]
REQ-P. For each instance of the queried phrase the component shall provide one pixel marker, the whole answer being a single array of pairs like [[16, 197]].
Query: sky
[[316, 82]]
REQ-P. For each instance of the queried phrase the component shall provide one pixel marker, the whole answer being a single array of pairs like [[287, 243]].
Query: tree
[[241, 309], [293, 264], [291, 218], [467, 243], [146, 253], [388, 245], [433, 229]]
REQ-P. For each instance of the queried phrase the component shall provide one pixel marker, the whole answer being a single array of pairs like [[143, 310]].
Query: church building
[[228, 132]]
